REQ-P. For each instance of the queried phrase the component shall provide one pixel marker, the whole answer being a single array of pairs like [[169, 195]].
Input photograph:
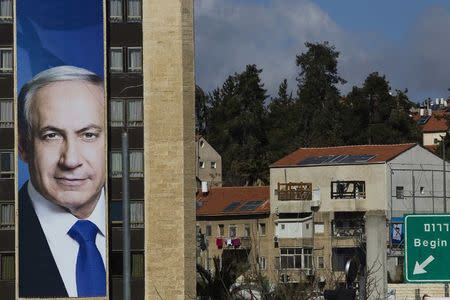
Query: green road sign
[[427, 248]]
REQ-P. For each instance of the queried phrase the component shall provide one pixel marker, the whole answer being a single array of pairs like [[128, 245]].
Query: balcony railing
[[347, 228], [348, 189], [294, 191]]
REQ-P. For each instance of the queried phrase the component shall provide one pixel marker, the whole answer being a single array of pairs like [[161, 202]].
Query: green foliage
[[250, 135], [318, 108], [237, 128]]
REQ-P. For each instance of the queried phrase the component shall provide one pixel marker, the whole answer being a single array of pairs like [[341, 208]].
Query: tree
[[373, 115], [201, 111], [318, 96], [237, 127], [281, 124]]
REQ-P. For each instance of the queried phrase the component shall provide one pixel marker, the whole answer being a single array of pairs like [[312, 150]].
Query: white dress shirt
[[56, 222]]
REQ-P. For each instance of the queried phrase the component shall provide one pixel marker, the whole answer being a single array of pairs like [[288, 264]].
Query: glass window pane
[[5, 10], [134, 59], [7, 216], [137, 265], [136, 164], [6, 162], [116, 211], [137, 214], [135, 115], [117, 114], [6, 114], [115, 10], [134, 10], [116, 164], [8, 268], [116, 57]]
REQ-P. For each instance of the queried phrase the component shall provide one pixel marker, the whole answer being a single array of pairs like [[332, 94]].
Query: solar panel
[[423, 120], [336, 159], [232, 206], [251, 205]]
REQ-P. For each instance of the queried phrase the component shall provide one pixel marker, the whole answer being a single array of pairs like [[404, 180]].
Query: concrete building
[[208, 163], [150, 80], [236, 224], [333, 204]]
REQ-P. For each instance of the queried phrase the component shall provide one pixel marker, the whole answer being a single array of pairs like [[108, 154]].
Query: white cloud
[[231, 34]]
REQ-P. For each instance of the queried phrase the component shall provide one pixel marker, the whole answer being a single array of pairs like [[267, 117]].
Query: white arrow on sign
[[420, 268]]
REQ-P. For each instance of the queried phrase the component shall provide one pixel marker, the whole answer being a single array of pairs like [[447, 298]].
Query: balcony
[[293, 191], [348, 189], [348, 225]]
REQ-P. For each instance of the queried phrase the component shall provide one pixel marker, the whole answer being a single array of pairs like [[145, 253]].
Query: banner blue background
[[53, 33]]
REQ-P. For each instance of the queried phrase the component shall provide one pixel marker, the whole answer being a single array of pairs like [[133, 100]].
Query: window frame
[[262, 229], [4, 123], [9, 18], [2, 68], [135, 69], [232, 228], [7, 226], [134, 19], [306, 259], [116, 70], [116, 19], [7, 174], [137, 174]]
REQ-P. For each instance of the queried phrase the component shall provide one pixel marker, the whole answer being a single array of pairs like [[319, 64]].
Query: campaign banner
[[61, 113]]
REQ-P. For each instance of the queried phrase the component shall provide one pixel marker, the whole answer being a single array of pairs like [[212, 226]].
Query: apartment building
[[333, 204], [234, 223], [126, 89], [7, 160]]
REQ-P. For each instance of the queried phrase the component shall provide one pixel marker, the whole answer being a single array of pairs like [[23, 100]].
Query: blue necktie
[[90, 272]]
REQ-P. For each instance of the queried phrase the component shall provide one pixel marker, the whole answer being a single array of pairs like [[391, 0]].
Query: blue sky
[[408, 41]]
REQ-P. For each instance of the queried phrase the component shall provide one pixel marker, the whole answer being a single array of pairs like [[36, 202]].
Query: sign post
[[427, 248]]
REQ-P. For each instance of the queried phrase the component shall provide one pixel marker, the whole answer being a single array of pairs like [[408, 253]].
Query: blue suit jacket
[[38, 273]]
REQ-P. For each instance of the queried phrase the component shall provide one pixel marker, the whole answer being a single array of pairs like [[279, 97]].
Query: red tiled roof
[[432, 148], [218, 198], [437, 122], [382, 153]]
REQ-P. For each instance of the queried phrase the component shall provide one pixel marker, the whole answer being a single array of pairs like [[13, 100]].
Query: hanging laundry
[[219, 243]]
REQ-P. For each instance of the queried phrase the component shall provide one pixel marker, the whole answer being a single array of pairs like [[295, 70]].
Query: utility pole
[[126, 219], [444, 175]]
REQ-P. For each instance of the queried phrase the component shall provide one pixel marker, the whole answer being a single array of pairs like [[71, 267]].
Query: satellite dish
[[351, 270]]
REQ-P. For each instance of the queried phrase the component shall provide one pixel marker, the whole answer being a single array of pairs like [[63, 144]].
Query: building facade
[[208, 163], [339, 203]]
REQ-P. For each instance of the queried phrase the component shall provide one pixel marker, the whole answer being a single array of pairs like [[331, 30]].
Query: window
[[6, 114], [201, 164], [399, 193], [247, 231], [115, 168], [233, 231], [348, 189], [436, 141], [208, 230], [134, 11], [262, 229], [135, 116], [137, 214], [137, 163], [283, 226], [134, 59], [6, 11], [6, 164], [116, 59], [221, 231], [115, 10], [213, 165], [262, 262], [6, 60], [296, 258], [7, 266], [340, 256], [422, 190], [137, 265], [116, 114], [320, 262], [7, 216], [319, 228], [202, 143]]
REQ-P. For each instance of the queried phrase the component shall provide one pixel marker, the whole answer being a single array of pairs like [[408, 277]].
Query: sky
[[407, 41]]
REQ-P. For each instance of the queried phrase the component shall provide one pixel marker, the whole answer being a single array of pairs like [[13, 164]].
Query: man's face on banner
[[67, 155]]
